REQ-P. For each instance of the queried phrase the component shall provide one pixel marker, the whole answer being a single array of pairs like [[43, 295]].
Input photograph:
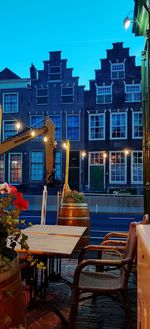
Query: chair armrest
[[116, 234], [118, 243], [97, 248]]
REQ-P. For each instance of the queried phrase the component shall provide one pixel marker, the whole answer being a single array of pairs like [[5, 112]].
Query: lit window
[[118, 126], [96, 126], [73, 127], [96, 158], [117, 70], [137, 167], [118, 167], [133, 93], [15, 168], [137, 125], [36, 166], [103, 94], [10, 103]]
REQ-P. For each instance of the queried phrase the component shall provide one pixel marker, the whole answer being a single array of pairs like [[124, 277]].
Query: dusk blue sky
[[81, 29]]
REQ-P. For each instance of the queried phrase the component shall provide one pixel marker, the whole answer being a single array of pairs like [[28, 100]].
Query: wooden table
[[52, 240], [49, 243]]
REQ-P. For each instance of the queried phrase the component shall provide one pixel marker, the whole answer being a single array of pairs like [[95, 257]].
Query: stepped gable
[[7, 74]]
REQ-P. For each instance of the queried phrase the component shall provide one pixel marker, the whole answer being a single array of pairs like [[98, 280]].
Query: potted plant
[[74, 196], [11, 298]]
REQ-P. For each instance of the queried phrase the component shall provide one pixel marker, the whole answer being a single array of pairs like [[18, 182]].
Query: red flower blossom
[[20, 203], [13, 189]]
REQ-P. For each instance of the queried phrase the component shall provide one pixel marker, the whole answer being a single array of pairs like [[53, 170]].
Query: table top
[[75, 231], [52, 240]]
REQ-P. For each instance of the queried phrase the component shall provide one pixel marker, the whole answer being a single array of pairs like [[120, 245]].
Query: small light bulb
[[32, 133], [18, 125], [126, 23], [45, 139]]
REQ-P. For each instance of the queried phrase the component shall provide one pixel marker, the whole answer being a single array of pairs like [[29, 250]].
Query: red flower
[[13, 189], [20, 203]]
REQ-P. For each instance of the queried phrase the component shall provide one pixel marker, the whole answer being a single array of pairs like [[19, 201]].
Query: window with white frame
[[42, 96], [58, 173], [73, 129], [36, 166], [37, 121], [96, 126], [15, 168], [67, 95], [9, 129], [118, 125], [10, 103], [137, 125], [54, 72], [103, 94], [117, 70], [118, 166], [57, 122], [137, 167], [96, 158], [133, 92], [2, 168]]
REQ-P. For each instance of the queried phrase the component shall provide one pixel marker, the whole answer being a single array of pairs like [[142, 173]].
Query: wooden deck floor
[[106, 313]]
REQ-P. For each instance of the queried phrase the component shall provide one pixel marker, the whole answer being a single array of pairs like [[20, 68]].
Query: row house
[[104, 121], [53, 92], [114, 125]]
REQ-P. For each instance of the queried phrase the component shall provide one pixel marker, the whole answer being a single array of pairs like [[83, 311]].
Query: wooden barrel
[[11, 297], [75, 214]]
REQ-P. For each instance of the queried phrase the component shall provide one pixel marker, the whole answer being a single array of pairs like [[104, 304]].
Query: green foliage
[[77, 196]]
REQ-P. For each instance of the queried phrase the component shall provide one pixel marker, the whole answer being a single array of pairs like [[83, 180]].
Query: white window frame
[[130, 89], [35, 150], [96, 114], [9, 158], [118, 113], [133, 126], [72, 114], [12, 121], [17, 101], [104, 91], [118, 67], [125, 170], [132, 181]]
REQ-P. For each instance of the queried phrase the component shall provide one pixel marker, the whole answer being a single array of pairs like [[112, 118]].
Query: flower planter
[[75, 214], [11, 297]]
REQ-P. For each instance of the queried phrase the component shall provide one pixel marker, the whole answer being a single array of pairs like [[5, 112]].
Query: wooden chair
[[88, 280]]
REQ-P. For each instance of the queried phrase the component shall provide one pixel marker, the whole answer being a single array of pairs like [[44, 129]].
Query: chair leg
[[126, 304], [73, 308]]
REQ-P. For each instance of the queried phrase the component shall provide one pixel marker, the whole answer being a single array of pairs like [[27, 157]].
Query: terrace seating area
[[105, 309], [104, 313]]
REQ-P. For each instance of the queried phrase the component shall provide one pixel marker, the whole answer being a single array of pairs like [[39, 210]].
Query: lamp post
[[66, 187], [83, 154], [141, 27]]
